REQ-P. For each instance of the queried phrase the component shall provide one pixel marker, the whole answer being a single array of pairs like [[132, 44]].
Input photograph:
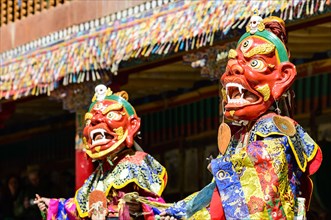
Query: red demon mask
[[257, 74], [111, 124]]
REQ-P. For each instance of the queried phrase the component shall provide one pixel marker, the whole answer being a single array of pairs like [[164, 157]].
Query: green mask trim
[[269, 36], [128, 107]]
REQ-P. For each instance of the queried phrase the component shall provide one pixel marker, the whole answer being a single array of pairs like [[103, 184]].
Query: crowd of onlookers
[[17, 191]]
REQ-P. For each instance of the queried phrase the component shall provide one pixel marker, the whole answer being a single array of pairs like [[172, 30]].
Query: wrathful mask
[[257, 74], [111, 124]]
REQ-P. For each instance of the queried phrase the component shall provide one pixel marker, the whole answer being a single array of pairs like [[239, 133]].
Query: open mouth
[[237, 94], [100, 136]]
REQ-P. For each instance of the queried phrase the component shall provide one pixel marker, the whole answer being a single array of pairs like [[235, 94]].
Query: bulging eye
[[257, 65], [98, 106], [246, 45], [114, 116]]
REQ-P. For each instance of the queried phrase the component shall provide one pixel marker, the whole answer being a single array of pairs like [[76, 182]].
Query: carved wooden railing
[[14, 10]]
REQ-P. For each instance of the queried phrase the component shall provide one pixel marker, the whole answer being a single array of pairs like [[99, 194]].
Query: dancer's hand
[[166, 216], [42, 203]]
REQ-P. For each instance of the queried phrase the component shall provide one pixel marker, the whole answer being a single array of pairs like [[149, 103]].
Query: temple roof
[[88, 51]]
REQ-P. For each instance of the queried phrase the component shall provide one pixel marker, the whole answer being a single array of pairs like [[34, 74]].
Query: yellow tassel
[[177, 46], [144, 51], [33, 91]]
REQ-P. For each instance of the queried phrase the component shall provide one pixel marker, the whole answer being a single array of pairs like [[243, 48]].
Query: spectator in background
[[12, 199], [35, 184]]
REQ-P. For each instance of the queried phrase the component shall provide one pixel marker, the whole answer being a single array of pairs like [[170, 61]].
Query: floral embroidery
[[255, 204], [265, 172], [148, 174]]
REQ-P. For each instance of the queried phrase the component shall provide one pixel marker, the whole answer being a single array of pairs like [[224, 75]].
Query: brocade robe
[[264, 174], [132, 172]]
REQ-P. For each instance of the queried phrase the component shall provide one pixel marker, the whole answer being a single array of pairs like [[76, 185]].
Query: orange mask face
[[109, 127], [254, 78]]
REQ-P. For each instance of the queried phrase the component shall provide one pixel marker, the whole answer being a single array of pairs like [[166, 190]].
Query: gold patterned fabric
[[139, 169], [264, 178]]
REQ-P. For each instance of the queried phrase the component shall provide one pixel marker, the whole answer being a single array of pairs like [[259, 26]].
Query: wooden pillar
[[77, 98], [83, 165]]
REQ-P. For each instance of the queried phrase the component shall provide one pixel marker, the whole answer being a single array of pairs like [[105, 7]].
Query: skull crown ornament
[[255, 23]]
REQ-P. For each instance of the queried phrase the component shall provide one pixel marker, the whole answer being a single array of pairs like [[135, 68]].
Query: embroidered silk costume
[[262, 179], [111, 124], [266, 158], [138, 172]]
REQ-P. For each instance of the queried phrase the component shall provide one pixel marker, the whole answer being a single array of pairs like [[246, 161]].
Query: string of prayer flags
[[177, 26]]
